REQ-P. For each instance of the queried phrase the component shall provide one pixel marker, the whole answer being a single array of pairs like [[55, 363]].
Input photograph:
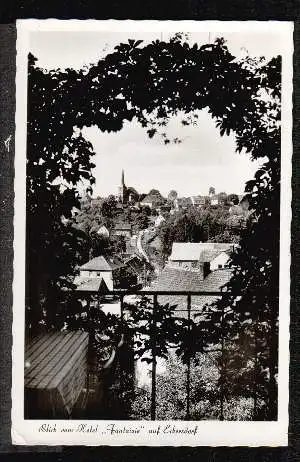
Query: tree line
[[213, 224]]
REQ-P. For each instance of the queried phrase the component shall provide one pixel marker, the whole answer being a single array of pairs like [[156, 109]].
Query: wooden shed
[[56, 367]]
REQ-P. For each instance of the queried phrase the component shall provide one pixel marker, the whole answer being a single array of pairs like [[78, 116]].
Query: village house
[[177, 280], [214, 199], [217, 259], [103, 232], [182, 203], [152, 201], [97, 270], [202, 257], [122, 229], [126, 194], [198, 201], [138, 266], [185, 256]]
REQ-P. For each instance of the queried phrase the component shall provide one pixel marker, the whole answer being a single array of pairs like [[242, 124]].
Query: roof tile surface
[[180, 280], [90, 284], [99, 264]]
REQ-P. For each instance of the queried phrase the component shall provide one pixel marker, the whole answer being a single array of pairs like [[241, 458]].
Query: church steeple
[[122, 189]]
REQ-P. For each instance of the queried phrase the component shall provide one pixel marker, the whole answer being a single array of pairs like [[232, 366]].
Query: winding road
[[140, 246]]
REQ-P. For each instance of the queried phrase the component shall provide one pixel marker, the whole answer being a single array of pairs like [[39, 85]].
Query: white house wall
[[221, 259], [106, 275]]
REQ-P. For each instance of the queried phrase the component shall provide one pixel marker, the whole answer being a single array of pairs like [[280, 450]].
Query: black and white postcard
[[152, 233]]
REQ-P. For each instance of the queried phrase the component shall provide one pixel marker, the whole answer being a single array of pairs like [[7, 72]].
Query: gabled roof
[[198, 251], [214, 282], [186, 251], [103, 230], [100, 264], [179, 280], [131, 190], [216, 279], [209, 255], [135, 264], [85, 284], [224, 246]]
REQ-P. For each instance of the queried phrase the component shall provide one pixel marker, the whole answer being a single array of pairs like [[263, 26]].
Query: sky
[[203, 159]]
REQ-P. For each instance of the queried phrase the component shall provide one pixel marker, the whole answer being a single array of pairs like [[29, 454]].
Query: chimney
[[205, 269], [202, 270]]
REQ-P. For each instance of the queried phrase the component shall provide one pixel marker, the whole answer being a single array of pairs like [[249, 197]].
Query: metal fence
[[154, 295]]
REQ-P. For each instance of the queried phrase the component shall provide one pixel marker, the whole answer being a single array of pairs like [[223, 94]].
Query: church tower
[[122, 189]]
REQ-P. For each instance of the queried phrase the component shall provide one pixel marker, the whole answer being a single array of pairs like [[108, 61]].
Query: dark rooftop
[[180, 280]]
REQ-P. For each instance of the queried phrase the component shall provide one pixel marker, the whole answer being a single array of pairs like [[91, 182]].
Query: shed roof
[[56, 370], [50, 357]]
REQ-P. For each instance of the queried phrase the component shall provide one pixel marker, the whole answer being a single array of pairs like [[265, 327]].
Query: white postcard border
[[208, 433]]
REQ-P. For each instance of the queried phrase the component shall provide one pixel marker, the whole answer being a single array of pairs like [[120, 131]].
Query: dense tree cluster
[[212, 224], [204, 393], [151, 83]]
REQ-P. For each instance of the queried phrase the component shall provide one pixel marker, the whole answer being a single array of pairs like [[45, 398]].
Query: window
[[220, 266], [98, 273]]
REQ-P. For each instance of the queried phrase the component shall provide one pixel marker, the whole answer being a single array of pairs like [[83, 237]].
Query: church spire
[[122, 179]]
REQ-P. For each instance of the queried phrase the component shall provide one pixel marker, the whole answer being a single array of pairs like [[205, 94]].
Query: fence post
[[222, 378], [122, 308], [153, 335], [188, 373]]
